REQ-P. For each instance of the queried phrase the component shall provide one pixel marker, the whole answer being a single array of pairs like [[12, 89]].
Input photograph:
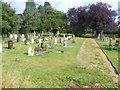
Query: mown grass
[[51, 70], [111, 54]]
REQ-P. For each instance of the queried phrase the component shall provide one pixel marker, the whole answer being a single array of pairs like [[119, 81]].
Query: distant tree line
[[97, 17]]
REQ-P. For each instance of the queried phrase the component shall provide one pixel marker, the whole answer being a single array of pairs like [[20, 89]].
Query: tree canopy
[[10, 20], [98, 17]]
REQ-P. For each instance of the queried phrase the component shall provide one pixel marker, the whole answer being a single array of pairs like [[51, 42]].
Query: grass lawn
[[111, 54], [51, 69]]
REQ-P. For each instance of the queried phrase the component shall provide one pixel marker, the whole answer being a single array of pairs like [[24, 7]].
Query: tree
[[98, 17], [52, 20], [78, 20], [10, 20], [31, 21], [101, 17]]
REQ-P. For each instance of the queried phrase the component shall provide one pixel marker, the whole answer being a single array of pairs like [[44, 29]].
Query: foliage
[[98, 17], [10, 20], [30, 22]]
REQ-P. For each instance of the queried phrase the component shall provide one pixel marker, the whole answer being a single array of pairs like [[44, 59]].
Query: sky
[[62, 5]]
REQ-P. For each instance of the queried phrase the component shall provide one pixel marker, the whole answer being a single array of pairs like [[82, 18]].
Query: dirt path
[[83, 51]]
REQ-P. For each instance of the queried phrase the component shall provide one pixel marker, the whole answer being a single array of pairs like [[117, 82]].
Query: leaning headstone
[[46, 39]]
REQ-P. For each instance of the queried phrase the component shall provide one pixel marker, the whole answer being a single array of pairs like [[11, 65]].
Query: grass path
[[90, 52]]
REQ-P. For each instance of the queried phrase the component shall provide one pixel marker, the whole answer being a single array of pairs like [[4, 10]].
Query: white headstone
[[32, 52], [55, 40], [64, 35], [98, 36], [29, 51], [73, 35], [23, 35], [39, 41], [15, 36], [46, 39], [11, 36], [32, 40], [65, 43]]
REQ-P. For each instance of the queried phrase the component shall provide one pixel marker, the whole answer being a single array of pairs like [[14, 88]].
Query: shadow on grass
[[109, 49], [26, 53], [5, 47]]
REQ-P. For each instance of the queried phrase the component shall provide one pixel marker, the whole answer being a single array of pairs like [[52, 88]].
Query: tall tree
[[101, 17], [30, 22], [10, 20]]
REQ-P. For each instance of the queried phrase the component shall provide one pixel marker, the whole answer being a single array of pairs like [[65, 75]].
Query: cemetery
[[50, 53]]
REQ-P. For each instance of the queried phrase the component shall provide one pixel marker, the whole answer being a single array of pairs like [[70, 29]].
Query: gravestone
[[30, 51], [15, 36], [23, 35], [64, 35], [46, 39], [32, 40], [55, 40], [98, 36], [73, 35], [10, 44], [42, 45], [39, 41], [11, 36], [65, 43]]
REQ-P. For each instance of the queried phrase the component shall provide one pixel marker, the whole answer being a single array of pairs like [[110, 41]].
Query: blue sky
[[62, 5]]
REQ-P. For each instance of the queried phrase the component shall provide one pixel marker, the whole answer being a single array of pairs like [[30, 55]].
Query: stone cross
[[39, 41]]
